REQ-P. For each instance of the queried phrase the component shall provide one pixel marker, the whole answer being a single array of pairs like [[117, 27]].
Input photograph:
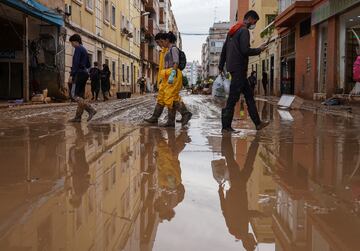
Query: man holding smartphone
[[235, 53]]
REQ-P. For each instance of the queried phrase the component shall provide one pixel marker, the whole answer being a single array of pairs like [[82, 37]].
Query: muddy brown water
[[123, 186]]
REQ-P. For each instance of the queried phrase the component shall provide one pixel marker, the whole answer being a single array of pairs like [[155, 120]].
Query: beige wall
[[114, 45]]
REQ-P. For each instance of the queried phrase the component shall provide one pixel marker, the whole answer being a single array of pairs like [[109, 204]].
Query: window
[[90, 58], [107, 62], [113, 68], [106, 10], [305, 27], [122, 22], [127, 74], [123, 73], [90, 4], [113, 15], [212, 44]]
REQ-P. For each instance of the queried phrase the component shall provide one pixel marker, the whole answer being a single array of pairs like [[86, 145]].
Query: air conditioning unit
[[68, 9]]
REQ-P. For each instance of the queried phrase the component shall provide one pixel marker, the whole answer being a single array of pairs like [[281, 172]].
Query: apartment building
[[267, 63], [318, 46], [192, 72], [211, 50], [111, 34]]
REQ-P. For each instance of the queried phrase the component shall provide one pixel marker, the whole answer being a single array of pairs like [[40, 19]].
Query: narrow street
[[116, 184]]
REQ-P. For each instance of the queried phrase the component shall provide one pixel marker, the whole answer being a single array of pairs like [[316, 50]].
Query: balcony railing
[[152, 6], [284, 4]]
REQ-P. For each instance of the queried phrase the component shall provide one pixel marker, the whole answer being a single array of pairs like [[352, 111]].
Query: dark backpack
[[182, 60]]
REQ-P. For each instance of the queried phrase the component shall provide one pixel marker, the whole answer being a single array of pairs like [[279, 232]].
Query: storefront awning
[[37, 10]]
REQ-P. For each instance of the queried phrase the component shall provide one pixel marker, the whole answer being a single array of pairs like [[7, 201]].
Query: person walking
[[142, 84], [169, 93], [95, 81], [265, 82], [235, 53], [79, 76], [253, 81], [105, 81]]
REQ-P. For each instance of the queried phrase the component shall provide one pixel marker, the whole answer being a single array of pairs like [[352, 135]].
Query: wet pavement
[[114, 184]]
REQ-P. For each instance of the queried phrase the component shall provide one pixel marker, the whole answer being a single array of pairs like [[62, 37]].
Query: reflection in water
[[79, 168], [170, 186], [234, 203], [294, 186], [115, 186]]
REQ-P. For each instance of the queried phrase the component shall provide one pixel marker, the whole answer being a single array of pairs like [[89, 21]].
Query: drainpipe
[[26, 85]]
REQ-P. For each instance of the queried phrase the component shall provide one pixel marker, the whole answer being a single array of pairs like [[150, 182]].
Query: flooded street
[[115, 184]]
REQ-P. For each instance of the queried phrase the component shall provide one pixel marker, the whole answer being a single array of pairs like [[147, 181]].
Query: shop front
[[338, 26], [31, 50]]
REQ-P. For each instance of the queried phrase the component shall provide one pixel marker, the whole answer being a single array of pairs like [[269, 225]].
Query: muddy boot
[[91, 111], [171, 118], [157, 113], [78, 115], [186, 115]]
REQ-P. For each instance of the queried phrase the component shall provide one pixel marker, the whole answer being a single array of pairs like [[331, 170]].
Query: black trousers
[[80, 84], [239, 84]]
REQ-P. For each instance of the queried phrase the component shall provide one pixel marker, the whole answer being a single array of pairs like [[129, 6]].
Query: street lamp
[[142, 15]]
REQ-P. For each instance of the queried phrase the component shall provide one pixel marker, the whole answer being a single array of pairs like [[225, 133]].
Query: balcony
[[292, 12], [144, 51], [153, 55], [152, 6], [162, 16], [153, 27], [145, 23]]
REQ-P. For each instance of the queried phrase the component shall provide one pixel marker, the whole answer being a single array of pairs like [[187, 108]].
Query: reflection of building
[[317, 46], [261, 190], [212, 50], [96, 209]]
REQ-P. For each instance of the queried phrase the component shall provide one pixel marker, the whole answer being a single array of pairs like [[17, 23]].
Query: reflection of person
[[78, 77], [234, 203], [265, 82], [170, 185], [235, 54], [79, 168]]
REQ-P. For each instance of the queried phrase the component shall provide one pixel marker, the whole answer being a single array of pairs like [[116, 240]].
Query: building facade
[[192, 72], [318, 46], [265, 65], [211, 50], [31, 48], [111, 34]]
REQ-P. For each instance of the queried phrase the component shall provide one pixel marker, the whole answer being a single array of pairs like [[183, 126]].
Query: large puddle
[[293, 186]]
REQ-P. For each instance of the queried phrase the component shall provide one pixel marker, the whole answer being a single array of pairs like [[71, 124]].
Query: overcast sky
[[197, 16]]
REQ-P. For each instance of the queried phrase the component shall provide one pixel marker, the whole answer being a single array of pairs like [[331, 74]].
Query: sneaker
[[262, 125]]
